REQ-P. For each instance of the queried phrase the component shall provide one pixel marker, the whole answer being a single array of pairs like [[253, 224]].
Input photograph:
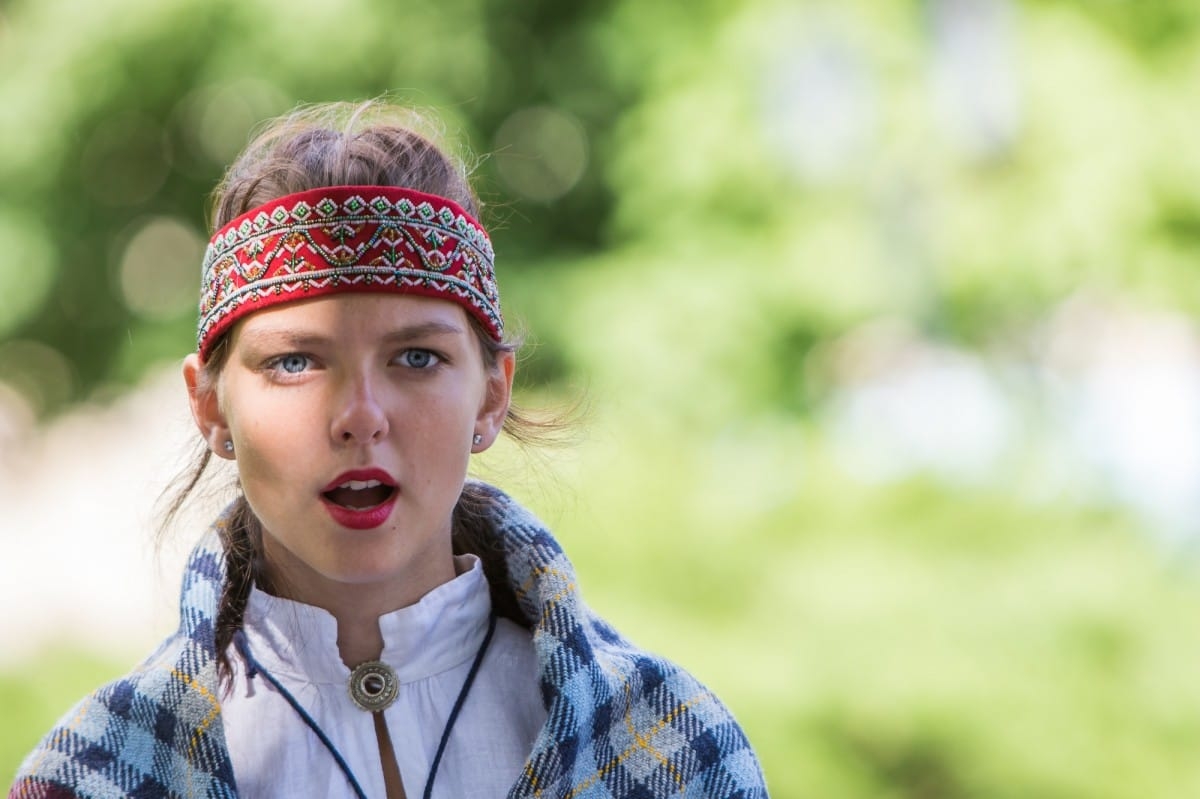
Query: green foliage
[[904, 640], [123, 112]]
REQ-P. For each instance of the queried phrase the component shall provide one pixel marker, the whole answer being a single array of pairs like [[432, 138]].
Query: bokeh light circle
[[160, 269], [541, 152]]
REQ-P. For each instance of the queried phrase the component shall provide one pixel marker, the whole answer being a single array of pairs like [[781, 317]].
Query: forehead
[[352, 316]]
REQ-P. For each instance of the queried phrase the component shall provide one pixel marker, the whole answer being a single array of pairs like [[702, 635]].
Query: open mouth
[[360, 494]]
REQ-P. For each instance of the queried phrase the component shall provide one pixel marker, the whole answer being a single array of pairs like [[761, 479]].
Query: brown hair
[[370, 143]]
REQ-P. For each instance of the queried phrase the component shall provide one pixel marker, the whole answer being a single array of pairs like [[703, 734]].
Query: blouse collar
[[442, 630]]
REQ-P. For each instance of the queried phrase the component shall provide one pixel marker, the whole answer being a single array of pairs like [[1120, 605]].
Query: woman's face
[[352, 419]]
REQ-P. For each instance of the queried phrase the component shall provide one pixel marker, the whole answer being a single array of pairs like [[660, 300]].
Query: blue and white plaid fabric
[[621, 723]]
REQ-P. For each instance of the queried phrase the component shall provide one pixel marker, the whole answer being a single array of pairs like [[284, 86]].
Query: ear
[[206, 408], [494, 408]]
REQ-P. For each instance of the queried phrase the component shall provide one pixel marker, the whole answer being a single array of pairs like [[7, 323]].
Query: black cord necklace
[[372, 687]]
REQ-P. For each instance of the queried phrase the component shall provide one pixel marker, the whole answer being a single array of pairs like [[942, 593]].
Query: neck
[[359, 639], [356, 606]]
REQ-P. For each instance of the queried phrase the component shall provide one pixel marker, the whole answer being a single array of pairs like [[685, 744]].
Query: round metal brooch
[[373, 686]]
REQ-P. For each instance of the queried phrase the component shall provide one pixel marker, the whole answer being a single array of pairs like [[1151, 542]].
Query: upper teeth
[[359, 485]]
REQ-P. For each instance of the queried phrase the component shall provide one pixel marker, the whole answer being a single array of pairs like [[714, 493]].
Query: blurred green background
[[882, 312]]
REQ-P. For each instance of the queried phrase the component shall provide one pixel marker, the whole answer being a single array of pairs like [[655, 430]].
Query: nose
[[360, 418]]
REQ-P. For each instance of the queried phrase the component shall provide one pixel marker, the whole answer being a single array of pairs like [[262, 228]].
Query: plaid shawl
[[621, 723]]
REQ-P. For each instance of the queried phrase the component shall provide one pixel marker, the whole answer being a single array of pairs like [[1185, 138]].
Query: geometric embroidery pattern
[[347, 238]]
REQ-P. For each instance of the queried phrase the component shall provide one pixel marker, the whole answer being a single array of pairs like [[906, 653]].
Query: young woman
[[363, 620]]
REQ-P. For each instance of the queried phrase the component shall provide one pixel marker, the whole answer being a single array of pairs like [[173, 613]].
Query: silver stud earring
[[228, 446], [477, 440]]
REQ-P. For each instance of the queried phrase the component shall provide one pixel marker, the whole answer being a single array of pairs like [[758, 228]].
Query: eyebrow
[[301, 339], [423, 330]]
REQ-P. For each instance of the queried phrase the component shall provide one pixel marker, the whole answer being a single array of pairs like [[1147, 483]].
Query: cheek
[[271, 436], [441, 435], [438, 437], [265, 455], [457, 411]]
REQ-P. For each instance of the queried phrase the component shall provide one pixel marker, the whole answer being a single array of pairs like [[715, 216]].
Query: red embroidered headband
[[347, 238]]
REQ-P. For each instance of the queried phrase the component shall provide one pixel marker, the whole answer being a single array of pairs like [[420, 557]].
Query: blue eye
[[418, 359], [292, 364]]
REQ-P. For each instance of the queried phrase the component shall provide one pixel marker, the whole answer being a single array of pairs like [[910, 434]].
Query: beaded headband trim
[[347, 238]]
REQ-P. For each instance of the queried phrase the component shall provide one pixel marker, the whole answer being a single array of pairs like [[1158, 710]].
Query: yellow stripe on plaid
[[213, 712], [641, 742], [549, 604]]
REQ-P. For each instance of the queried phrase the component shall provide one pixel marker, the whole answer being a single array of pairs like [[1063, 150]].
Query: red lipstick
[[383, 488]]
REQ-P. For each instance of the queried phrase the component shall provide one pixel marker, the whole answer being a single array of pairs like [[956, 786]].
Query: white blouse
[[431, 645]]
